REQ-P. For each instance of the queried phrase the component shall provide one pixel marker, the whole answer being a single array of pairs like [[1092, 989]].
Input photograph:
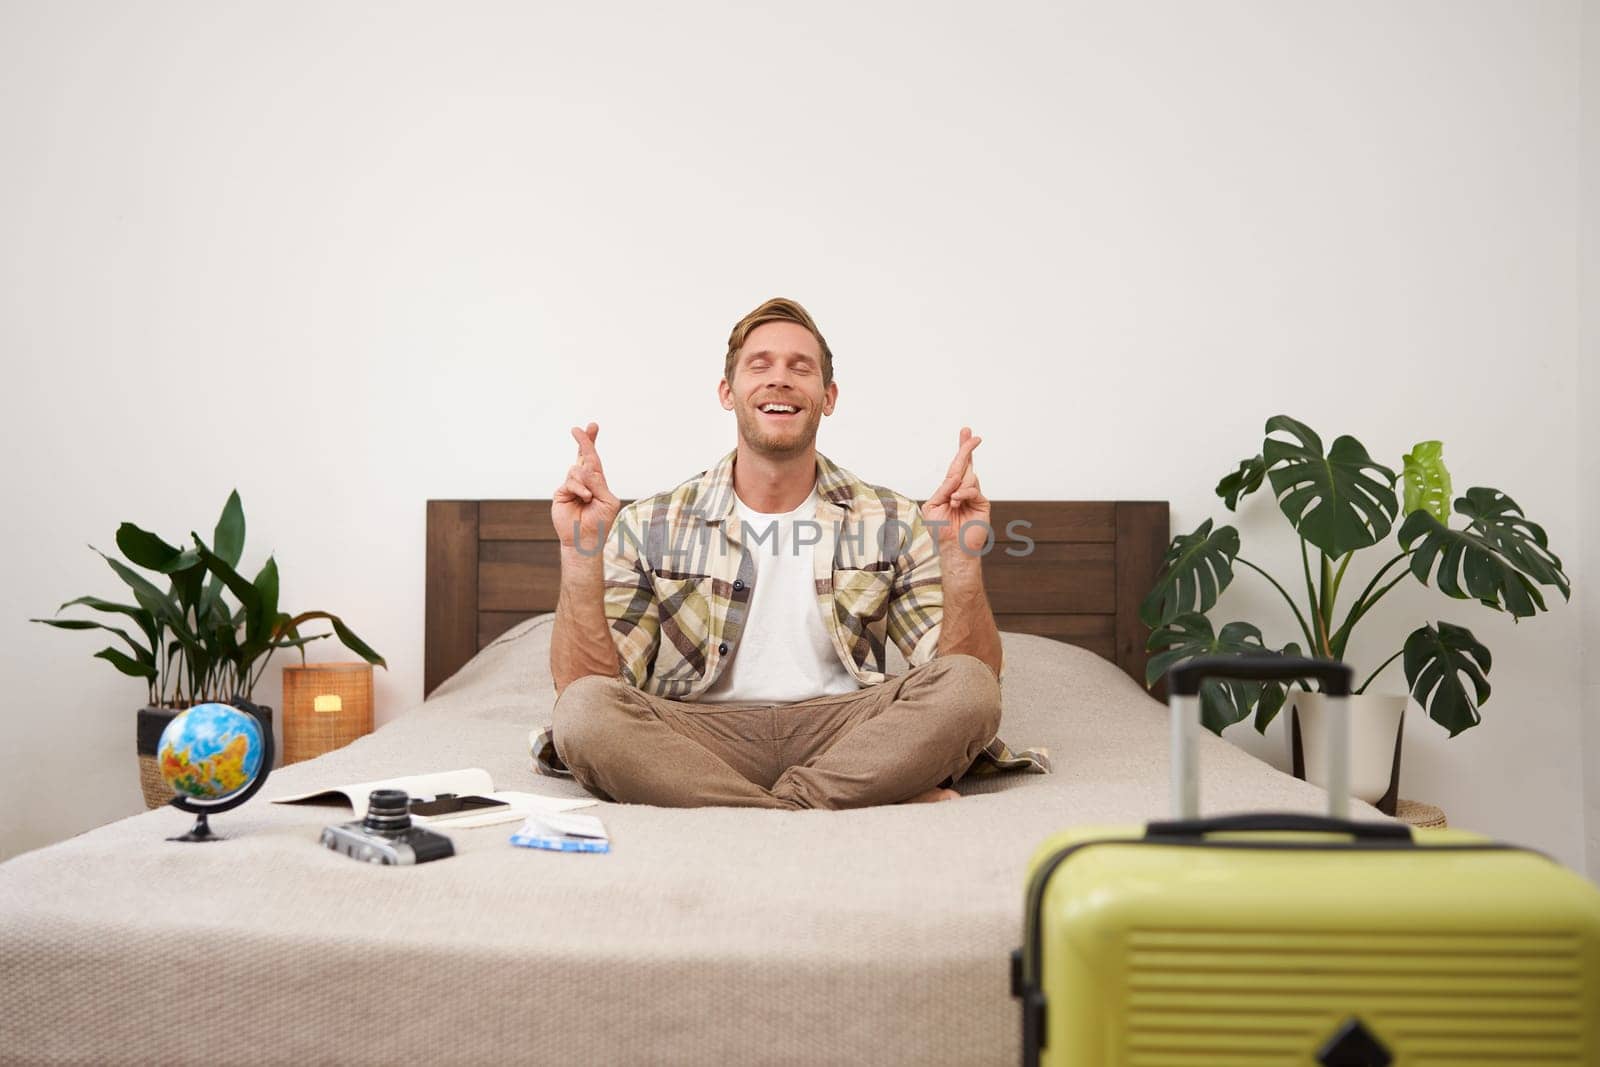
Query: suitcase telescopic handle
[[1183, 685], [1186, 677]]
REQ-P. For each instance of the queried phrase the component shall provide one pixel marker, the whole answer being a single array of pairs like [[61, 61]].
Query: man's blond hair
[[778, 309]]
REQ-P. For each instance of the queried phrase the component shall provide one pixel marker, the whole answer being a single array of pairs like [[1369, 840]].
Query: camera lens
[[388, 812]]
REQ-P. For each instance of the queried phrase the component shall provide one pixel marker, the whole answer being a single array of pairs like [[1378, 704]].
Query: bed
[[711, 935]]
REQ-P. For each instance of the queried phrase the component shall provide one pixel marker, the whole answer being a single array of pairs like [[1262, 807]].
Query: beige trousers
[[879, 745]]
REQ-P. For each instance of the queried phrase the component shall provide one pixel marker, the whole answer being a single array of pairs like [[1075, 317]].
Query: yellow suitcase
[[1301, 940]]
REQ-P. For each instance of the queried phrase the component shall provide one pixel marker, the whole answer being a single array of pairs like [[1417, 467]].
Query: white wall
[[347, 258], [1589, 427]]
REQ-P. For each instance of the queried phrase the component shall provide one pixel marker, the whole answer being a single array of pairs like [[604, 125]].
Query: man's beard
[[789, 444]]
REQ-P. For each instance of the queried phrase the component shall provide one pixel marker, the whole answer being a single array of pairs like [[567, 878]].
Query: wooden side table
[[1420, 815]]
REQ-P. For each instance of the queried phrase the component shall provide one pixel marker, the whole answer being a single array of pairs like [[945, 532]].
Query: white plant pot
[[1374, 741]]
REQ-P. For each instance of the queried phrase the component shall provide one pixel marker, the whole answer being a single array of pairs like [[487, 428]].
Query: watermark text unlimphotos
[[893, 538]]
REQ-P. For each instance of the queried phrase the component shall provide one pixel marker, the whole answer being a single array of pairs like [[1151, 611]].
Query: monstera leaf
[[1195, 570], [1242, 482], [1427, 482], [1273, 694], [1339, 502], [1223, 702], [1490, 577], [1436, 661], [1496, 518]]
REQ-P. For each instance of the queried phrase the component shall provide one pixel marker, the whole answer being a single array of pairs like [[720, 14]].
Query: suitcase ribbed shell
[[1162, 955]]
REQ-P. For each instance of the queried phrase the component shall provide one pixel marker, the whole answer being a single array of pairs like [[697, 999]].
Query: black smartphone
[[450, 804]]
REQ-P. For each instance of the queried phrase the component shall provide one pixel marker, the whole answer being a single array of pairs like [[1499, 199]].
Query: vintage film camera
[[386, 835]]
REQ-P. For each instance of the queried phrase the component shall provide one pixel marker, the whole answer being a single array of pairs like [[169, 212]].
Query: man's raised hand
[[583, 505], [958, 500]]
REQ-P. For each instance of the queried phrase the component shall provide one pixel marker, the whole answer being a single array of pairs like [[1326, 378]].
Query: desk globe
[[215, 757]]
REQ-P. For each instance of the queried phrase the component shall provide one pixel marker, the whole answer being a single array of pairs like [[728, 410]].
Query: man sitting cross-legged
[[726, 645]]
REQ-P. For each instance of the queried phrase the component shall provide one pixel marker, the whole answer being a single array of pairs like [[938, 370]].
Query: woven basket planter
[[152, 721], [1423, 816]]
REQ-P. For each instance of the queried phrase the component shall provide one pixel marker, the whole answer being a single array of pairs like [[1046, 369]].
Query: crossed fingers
[[587, 455], [960, 481], [586, 477]]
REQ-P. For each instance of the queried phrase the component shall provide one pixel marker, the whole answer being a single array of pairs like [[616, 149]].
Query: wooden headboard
[[493, 563]]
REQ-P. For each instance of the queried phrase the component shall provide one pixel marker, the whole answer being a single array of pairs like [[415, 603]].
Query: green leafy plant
[[191, 645], [1339, 502]]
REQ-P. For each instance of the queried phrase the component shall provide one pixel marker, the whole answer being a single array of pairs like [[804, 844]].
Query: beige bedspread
[[706, 936]]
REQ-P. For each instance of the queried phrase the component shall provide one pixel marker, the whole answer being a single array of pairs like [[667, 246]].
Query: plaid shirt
[[678, 582]]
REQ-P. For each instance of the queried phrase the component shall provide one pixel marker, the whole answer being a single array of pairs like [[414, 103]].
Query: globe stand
[[201, 830]]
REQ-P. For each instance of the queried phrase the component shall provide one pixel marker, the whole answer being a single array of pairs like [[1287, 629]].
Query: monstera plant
[[1339, 502]]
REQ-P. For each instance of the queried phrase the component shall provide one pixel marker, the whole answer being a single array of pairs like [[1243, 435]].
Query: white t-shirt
[[785, 653]]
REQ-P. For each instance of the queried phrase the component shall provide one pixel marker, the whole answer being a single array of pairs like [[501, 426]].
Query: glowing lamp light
[[325, 706]]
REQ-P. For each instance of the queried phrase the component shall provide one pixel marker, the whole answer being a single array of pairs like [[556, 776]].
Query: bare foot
[[933, 796]]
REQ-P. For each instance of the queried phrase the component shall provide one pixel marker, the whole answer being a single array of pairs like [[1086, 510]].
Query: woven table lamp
[[325, 706]]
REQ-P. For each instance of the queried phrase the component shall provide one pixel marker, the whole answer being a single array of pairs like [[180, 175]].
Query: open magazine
[[478, 803]]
